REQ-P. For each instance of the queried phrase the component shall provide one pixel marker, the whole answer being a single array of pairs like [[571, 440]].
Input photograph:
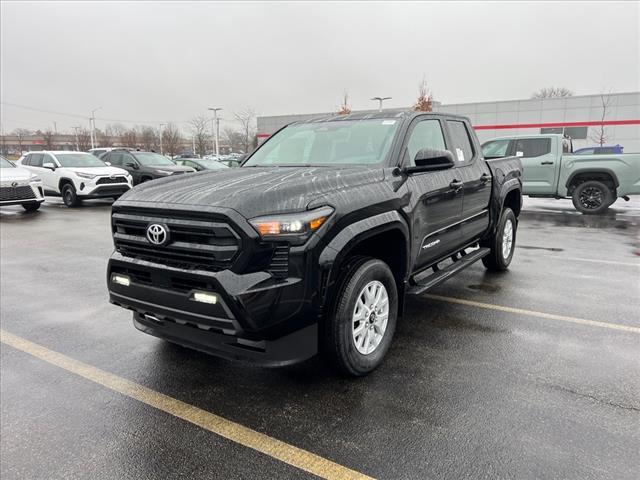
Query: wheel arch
[[605, 175], [63, 181], [384, 236]]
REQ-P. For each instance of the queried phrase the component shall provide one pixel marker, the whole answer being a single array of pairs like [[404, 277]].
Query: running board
[[424, 281]]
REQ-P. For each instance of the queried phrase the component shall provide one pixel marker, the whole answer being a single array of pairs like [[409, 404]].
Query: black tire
[[592, 197], [31, 207], [339, 344], [497, 260], [69, 196]]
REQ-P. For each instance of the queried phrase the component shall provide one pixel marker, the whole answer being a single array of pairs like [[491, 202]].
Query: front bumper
[[255, 318], [20, 193], [89, 188]]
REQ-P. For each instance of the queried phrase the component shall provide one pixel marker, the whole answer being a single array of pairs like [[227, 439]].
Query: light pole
[[215, 127], [160, 128], [77, 144], [92, 124], [380, 100]]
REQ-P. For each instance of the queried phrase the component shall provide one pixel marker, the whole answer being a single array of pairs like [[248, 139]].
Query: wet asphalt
[[465, 391]]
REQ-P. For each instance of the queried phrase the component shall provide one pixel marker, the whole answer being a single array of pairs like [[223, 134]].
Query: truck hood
[[253, 191], [101, 171], [171, 168]]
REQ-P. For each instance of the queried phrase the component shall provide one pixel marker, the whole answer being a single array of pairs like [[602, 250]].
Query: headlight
[[35, 178], [86, 175], [164, 172], [295, 227]]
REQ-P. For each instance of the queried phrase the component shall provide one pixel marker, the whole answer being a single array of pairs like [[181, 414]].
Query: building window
[[576, 133]]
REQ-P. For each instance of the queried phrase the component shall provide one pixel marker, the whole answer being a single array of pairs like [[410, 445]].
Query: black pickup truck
[[312, 244]]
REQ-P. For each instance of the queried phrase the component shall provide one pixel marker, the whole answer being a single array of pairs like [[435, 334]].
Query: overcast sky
[[154, 62]]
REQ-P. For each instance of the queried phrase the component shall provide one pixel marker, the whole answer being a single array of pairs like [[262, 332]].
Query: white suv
[[76, 175], [18, 186]]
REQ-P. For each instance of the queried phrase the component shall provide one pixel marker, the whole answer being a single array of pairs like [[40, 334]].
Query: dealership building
[[580, 117]]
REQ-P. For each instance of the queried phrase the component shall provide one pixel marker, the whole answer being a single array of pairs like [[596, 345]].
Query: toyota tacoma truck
[[551, 170], [313, 243]]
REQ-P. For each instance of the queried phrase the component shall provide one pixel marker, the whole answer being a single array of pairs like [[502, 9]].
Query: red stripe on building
[[557, 124], [537, 125]]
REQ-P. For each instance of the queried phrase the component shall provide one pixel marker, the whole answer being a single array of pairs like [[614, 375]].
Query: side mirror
[[428, 160], [108, 164], [49, 165], [131, 165]]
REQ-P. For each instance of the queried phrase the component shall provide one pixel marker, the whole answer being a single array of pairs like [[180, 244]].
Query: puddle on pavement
[[550, 249], [609, 219]]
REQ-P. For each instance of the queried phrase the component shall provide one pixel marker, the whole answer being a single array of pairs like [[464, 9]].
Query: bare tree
[[104, 138], [48, 140], [246, 118], [601, 135], [21, 133], [148, 137], [233, 138], [129, 138], [84, 139], [345, 109], [552, 92], [171, 139], [198, 127], [424, 102]]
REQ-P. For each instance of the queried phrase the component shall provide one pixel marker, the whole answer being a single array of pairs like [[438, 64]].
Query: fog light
[[205, 297], [121, 280]]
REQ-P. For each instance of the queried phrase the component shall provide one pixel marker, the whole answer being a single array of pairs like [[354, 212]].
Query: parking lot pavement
[[536, 374]]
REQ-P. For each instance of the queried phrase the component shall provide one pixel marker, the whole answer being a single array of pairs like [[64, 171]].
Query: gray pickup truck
[[593, 182]]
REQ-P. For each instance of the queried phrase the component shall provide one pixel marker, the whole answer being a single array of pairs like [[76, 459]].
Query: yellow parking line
[[302, 459], [533, 313]]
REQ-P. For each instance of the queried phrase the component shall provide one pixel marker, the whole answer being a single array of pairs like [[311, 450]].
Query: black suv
[[143, 166]]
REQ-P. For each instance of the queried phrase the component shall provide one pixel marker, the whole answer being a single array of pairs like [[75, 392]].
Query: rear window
[[532, 147]]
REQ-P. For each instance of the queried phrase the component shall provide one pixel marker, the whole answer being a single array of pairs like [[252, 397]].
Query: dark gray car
[[144, 166]]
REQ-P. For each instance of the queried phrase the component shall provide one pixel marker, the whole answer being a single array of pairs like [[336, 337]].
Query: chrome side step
[[424, 281]]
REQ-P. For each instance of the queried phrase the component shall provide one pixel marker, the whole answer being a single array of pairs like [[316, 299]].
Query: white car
[[76, 176], [18, 186]]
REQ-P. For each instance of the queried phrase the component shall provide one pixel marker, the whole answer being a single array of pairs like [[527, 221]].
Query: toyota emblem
[[112, 177], [157, 234]]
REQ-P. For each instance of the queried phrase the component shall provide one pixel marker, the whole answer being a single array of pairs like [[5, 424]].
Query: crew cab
[[593, 182], [312, 244], [143, 166], [18, 186], [76, 176]]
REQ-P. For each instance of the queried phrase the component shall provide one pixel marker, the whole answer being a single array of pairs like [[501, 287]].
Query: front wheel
[[31, 207], [502, 243], [69, 196], [360, 330], [592, 197]]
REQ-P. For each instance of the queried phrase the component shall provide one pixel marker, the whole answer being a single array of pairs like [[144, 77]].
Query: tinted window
[[496, 148], [533, 147], [426, 134], [127, 158], [35, 159], [114, 158], [461, 148]]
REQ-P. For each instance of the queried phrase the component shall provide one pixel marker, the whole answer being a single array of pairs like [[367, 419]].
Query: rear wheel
[[592, 197], [31, 207], [69, 196], [361, 328], [502, 243]]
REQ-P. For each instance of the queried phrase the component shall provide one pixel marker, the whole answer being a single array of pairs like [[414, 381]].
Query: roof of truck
[[374, 114]]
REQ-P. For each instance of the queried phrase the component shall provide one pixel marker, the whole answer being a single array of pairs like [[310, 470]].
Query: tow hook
[[626, 198]]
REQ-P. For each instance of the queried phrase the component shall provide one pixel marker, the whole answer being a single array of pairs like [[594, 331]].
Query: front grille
[[16, 193], [102, 181], [194, 242]]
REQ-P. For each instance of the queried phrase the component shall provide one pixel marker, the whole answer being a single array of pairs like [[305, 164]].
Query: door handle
[[484, 178], [546, 163], [456, 185]]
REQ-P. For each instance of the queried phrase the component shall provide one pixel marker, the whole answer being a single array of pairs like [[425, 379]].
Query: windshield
[[150, 158], [497, 148], [4, 163], [341, 142], [78, 160]]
